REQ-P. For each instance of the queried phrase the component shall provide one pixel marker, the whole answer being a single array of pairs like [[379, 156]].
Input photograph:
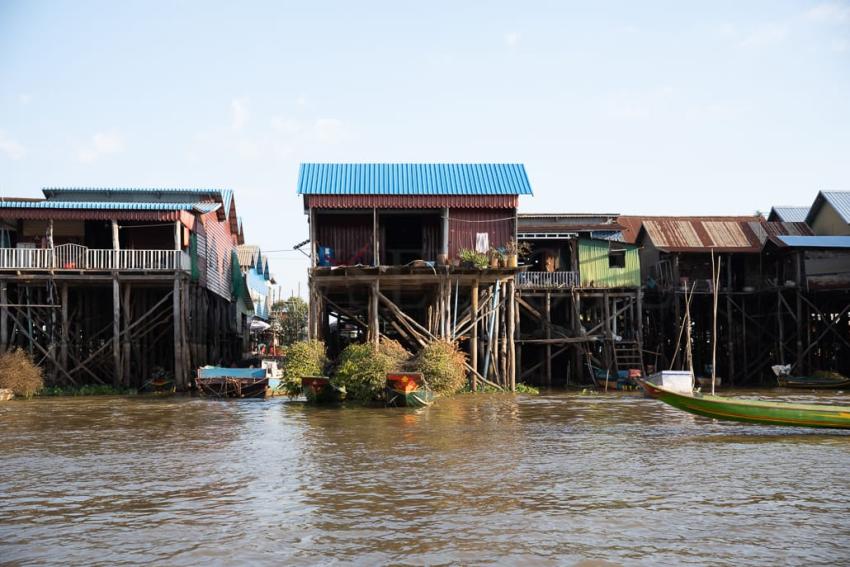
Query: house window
[[616, 258]]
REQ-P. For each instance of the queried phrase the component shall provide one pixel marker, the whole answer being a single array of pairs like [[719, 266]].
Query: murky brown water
[[553, 480]]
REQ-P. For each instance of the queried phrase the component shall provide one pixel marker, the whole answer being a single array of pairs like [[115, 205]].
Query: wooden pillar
[[4, 317], [473, 341], [730, 343], [376, 252], [548, 312], [63, 327], [178, 235], [179, 378], [313, 244], [780, 326], [50, 233], [125, 346], [511, 336], [799, 294], [503, 345], [184, 331], [609, 340], [118, 379], [444, 245], [374, 327]]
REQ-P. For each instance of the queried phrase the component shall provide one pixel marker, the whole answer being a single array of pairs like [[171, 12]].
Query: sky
[[631, 107]]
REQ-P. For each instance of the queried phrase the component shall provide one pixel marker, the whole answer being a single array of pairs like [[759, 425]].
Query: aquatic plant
[[20, 374], [303, 358], [444, 367], [362, 369], [523, 388]]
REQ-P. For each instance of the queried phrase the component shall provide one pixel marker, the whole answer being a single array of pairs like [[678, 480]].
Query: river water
[[561, 479]]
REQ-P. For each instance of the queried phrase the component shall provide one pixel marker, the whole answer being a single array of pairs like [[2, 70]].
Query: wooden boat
[[319, 390], [218, 382], [820, 380], [614, 380], [408, 389], [755, 411], [681, 381], [705, 381]]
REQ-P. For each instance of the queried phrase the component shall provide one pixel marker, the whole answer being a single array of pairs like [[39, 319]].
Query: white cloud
[[329, 130], [102, 143], [829, 12], [12, 148], [512, 39], [766, 34], [24, 98], [285, 125], [239, 112]]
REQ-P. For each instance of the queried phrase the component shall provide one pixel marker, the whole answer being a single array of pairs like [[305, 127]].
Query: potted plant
[[495, 256], [472, 259], [511, 254]]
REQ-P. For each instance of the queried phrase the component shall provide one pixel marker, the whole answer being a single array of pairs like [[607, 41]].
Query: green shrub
[[362, 369], [523, 388], [443, 366], [303, 358], [19, 374], [473, 258]]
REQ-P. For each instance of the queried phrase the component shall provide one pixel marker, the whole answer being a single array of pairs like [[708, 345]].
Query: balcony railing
[[547, 280], [73, 257]]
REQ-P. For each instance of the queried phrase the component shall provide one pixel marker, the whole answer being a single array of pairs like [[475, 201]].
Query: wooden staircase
[[627, 355]]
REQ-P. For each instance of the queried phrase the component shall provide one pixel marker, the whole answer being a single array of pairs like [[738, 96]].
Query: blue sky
[[654, 108]]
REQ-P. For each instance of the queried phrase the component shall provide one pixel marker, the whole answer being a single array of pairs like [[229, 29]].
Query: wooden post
[[780, 326], [473, 341], [374, 326], [511, 336], [548, 311], [116, 331], [178, 235], [313, 245], [4, 317], [609, 339], [115, 240], [50, 233], [503, 346], [376, 253], [799, 362], [63, 329], [126, 344], [444, 245], [179, 378]]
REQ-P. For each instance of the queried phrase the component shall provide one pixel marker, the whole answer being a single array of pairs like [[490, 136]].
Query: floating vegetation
[[523, 388], [362, 369], [19, 374], [444, 367]]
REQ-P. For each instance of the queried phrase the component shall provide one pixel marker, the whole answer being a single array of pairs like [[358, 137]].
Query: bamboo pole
[[511, 336], [473, 341], [548, 312], [4, 317]]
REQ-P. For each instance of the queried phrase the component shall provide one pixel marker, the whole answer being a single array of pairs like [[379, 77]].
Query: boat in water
[[319, 390], [220, 382], [819, 380], [408, 389], [681, 381], [754, 411]]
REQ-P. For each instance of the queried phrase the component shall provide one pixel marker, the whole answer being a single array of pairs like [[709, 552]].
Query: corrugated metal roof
[[411, 201], [413, 179], [840, 201], [767, 229], [815, 241], [202, 208], [247, 255], [141, 194], [697, 234], [788, 214]]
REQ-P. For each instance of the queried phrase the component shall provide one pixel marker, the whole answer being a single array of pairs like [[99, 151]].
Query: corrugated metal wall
[[219, 250], [595, 271], [464, 225], [350, 236]]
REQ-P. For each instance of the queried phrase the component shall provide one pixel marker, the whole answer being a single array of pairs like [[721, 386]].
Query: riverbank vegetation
[[362, 369], [302, 358], [20, 374]]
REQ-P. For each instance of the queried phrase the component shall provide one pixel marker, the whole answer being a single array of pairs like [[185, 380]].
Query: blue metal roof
[[413, 179], [816, 241], [139, 195], [111, 205]]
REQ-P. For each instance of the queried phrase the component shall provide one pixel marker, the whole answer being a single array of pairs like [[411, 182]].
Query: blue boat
[[219, 382]]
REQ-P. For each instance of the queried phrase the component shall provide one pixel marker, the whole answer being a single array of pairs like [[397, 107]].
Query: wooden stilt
[[4, 317], [179, 378], [511, 332], [547, 310], [116, 332], [63, 327], [125, 345], [473, 341]]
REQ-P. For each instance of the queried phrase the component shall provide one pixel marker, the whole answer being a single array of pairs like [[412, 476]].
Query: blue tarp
[[219, 372]]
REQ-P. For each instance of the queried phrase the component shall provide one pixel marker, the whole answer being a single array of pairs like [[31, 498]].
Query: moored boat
[[408, 389], [319, 390], [755, 411], [219, 382], [820, 380], [681, 381]]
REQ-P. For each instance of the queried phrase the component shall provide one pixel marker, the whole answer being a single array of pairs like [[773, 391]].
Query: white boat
[[679, 381]]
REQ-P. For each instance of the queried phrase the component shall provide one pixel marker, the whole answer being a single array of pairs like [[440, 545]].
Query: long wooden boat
[[814, 382], [319, 390], [408, 389], [219, 382], [755, 411]]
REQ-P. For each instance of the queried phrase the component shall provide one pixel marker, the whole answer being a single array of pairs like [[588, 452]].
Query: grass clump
[[302, 358], [523, 388], [444, 367], [20, 374], [362, 369]]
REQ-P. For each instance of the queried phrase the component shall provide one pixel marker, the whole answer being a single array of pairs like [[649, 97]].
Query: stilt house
[[120, 285]]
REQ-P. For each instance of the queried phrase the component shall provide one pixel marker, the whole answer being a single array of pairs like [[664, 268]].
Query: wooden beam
[[116, 333], [63, 326], [4, 317], [179, 378], [512, 315], [473, 341]]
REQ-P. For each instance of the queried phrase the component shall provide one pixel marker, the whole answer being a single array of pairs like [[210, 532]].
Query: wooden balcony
[[547, 280], [76, 258]]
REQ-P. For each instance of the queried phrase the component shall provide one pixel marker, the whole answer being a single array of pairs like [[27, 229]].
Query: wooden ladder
[[627, 355]]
